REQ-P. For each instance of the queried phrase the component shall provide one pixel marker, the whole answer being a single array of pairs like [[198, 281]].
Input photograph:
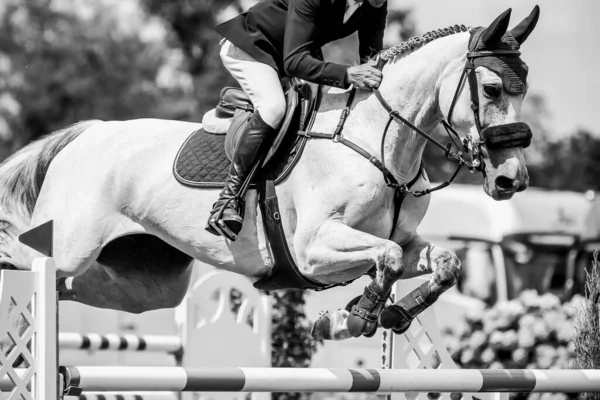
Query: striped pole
[[94, 341], [125, 396], [327, 380]]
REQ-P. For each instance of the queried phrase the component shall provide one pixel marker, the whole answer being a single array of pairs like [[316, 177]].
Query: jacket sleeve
[[370, 32], [300, 47]]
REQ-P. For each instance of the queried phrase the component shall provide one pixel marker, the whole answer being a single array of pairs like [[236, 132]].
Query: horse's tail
[[23, 173], [53, 143]]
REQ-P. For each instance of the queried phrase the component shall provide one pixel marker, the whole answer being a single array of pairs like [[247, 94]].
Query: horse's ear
[[497, 29], [524, 28]]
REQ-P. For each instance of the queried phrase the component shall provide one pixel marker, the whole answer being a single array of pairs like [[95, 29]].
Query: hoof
[[393, 318], [331, 326]]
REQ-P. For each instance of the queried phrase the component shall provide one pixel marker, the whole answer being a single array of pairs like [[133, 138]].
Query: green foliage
[[586, 342], [570, 164], [191, 28], [532, 331], [68, 61], [292, 343]]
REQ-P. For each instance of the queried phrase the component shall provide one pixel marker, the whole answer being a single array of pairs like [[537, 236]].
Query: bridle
[[493, 137], [517, 134]]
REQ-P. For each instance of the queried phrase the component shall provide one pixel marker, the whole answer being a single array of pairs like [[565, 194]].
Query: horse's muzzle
[[516, 134]]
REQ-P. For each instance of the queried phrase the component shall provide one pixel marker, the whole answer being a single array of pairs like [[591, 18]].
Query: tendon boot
[[400, 315], [227, 214], [365, 311]]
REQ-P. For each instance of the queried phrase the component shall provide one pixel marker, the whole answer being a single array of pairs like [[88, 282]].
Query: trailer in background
[[507, 246]]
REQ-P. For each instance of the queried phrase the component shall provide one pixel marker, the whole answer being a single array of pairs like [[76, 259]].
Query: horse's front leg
[[336, 250], [421, 257]]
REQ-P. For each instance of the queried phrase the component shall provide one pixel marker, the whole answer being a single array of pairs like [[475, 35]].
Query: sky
[[563, 52]]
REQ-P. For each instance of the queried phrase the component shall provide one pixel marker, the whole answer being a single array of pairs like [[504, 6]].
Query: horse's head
[[491, 88]]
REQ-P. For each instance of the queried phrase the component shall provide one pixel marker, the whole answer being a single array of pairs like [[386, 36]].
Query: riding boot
[[227, 214]]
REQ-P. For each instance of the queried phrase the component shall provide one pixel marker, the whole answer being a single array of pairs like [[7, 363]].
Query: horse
[[126, 232]]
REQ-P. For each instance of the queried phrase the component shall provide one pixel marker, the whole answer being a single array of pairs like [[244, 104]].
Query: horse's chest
[[371, 212]]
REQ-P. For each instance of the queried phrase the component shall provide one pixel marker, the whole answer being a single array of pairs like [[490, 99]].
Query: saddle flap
[[300, 104], [288, 125], [235, 104]]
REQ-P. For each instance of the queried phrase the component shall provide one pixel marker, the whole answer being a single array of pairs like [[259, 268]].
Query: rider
[[283, 38]]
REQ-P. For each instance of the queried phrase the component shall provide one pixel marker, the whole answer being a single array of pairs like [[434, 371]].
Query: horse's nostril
[[522, 187], [504, 182]]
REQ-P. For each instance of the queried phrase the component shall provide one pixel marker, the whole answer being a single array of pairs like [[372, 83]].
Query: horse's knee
[[390, 261], [449, 269]]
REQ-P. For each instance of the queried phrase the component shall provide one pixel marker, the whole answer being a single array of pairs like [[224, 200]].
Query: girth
[[285, 273]]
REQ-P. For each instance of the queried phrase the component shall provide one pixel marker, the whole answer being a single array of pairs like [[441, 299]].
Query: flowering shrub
[[533, 332]]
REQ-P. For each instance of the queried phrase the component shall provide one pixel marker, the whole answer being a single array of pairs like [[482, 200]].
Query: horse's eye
[[491, 90]]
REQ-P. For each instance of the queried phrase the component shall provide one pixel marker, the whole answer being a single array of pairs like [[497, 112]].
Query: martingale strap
[[390, 180]]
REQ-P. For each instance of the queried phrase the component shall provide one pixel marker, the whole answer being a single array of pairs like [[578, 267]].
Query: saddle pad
[[201, 161]]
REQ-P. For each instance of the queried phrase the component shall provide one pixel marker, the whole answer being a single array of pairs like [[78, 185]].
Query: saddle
[[204, 158]]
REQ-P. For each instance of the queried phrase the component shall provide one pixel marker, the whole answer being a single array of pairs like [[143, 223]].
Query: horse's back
[[116, 159], [117, 179], [131, 135]]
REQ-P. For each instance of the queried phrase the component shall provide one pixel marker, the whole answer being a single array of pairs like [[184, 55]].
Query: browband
[[493, 53]]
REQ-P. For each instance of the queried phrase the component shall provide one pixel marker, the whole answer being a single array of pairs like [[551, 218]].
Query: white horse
[[126, 232]]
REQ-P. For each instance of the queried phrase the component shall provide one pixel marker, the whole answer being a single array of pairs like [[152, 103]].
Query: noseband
[[509, 135], [516, 134]]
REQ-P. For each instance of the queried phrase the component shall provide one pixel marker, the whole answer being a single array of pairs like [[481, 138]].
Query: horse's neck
[[411, 86]]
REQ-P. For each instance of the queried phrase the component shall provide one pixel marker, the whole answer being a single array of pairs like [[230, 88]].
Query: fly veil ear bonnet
[[497, 48], [497, 37]]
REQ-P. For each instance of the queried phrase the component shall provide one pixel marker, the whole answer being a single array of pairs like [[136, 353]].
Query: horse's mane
[[22, 174], [417, 42]]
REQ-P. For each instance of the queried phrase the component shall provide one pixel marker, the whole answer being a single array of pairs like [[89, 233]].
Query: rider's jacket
[[288, 35]]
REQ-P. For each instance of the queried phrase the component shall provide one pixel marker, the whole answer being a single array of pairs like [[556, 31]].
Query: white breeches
[[258, 80]]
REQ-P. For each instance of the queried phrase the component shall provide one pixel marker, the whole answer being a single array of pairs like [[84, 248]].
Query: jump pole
[[125, 379], [114, 342], [179, 379]]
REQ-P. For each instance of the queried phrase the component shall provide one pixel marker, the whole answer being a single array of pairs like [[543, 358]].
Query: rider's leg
[[262, 85], [421, 257]]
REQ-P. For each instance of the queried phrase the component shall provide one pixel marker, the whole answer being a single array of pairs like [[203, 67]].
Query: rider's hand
[[364, 76]]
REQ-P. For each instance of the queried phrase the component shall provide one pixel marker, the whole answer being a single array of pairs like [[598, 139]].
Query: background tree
[[66, 61], [191, 27]]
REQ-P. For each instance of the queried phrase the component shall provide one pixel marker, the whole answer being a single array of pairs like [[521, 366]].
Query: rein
[[500, 136], [505, 135]]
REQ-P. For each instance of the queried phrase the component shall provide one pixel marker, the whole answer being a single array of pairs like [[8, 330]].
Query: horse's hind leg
[[337, 249], [421, 257]]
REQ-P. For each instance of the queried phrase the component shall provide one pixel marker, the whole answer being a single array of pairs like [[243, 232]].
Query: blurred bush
[[62, 61], [531, 331]]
